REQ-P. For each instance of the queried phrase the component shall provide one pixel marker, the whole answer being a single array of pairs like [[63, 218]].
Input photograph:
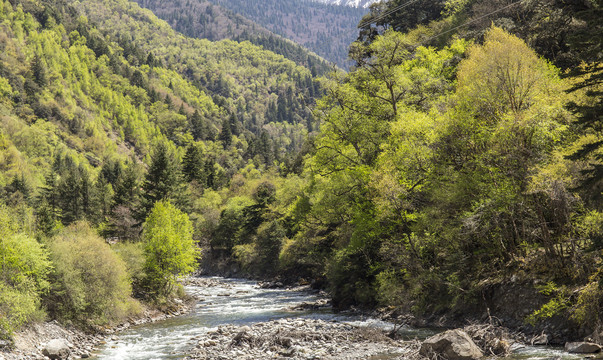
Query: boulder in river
[[452, 345], [57, 349], [582, 347]]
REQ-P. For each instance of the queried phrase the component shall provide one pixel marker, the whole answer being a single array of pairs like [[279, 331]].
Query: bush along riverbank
[[55, 340], [86, 286]]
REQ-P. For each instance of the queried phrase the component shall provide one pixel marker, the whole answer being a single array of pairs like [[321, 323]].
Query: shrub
[[23, 276], [132, 254], [90, 282], [169, 248]]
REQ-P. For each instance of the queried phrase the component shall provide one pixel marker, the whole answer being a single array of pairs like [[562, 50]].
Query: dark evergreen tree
[[38, 70], [138, 79], [225, 134], [193, 164], [162, 181], [197, 126], [234, 125], [210, 172]]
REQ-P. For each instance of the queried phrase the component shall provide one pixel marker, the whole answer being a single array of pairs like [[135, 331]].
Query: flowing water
[[236, 301]]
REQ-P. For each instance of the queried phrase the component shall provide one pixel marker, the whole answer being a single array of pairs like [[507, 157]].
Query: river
[[242, 302]]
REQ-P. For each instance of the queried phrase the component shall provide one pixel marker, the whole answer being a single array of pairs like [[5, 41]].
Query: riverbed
[[231, 303]]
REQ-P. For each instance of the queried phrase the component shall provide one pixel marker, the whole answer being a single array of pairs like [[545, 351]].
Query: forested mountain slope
[[461, 157], [107, 116], [456, 161], [325, 29], [202, 19]]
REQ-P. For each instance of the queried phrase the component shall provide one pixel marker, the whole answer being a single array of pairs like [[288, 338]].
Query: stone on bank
[[57, 349], [451, 345]]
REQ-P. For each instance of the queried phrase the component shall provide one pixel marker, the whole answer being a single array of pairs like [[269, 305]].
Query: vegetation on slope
[[326, 30], [202, 19], [444, 164], [99, 125]]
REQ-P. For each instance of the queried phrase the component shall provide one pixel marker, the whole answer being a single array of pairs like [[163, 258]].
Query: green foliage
[[555, 306], [90, 282], [246, 255], [132, 254], [23, 275], [270, 237], [169, 248], [163, 180], [587, 308]]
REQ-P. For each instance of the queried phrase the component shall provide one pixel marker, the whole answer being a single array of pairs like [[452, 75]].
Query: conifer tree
[[226, 134], [197, 126], [163, 180], [39, 71], [192, 164]]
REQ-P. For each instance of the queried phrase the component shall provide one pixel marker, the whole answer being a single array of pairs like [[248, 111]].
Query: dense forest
[[204, 20], [326, 30], [461, 153], [99, 124]]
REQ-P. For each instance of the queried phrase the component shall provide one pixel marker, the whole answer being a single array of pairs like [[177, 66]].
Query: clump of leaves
[[559, 303]]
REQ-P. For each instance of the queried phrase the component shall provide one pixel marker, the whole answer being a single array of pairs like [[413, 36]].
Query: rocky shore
[[57, 341], [295, 337], [301, 338]]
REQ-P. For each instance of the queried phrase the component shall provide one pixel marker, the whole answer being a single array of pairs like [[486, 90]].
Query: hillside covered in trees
[[98, 124], [326, 30], [202, 19], [460, 158]]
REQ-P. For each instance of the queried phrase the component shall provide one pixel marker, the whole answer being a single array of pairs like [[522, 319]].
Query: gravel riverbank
[[301, 338]]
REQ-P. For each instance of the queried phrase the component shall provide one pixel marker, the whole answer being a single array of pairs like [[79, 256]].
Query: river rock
[[299, 339], [452, 345], [270, 284], [582, 347], [56, 349]]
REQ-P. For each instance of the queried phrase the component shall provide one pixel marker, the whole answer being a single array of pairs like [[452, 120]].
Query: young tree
[[169, 248]]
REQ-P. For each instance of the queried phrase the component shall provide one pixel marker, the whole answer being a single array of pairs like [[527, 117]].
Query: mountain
[[325, 29], [204, 20], [351, 3], [87, 86]]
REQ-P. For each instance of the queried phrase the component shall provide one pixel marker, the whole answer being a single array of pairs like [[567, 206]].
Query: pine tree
[[38, 71], [226, 134], [197, 126], [192, 164], [163, 180], [234, 125]]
